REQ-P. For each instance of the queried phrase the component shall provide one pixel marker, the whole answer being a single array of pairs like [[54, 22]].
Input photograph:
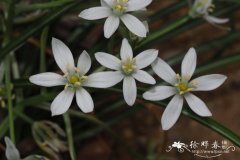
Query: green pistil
[[129, 66], [183, 85], [74, 79]]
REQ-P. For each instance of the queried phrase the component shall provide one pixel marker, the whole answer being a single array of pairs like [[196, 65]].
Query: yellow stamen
[[178, 77], [187, 77], [194, 83], [68, 67], [77, 70], [66, 86], [83, 78]]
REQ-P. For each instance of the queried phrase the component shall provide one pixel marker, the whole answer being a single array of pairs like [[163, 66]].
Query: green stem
[[219, 63], [43, 21], [35, 6], [43, 43], [68, 126], [7, 38], [23, 116], [158, 33], [9, 98], [208, 122], [103, 125]]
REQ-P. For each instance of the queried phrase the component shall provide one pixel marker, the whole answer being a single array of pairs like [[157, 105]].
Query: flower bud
[[48, 137]]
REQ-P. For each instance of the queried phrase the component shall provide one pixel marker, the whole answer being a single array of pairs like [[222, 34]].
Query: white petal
[[164, 71], [103, 79], [126, 50], [189, 64], [63, 55], [197, 105], [84, 100], [129, 90], [172, 112], [84, 63], [11, 151], [95, 13], [208, 82], [216, 20], [62, 102], [47, 79], [134, 5], [108, 60], [134, 25], [109, 2], [146, 58], [1, 72], [144, 77], [103, 3], [159, 93], [111, 25]]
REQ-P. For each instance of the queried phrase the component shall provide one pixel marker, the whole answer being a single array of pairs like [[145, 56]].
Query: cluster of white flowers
[[128, 68]]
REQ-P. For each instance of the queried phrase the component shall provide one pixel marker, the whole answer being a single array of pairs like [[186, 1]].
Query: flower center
[[120, 6], [129, 66], [74, 80], [183, 85]]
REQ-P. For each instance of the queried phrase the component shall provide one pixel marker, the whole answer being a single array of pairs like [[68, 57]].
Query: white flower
[[13, 154], [74, 79], [127, 69], [181, 88], [203, 8], [116, 10]]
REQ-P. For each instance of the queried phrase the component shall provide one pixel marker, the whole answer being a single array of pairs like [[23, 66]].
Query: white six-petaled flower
[[127, 69], [203, 8], [74, 79], [116, 10], [181, 88]]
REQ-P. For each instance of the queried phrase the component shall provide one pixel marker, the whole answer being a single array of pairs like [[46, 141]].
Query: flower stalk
[[9, 98], [7, 37], [68, 126]]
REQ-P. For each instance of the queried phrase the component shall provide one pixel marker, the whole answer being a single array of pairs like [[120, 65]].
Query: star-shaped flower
[[116, 10], [181, 88], [74, 79], [128, 69], [202, 8]]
